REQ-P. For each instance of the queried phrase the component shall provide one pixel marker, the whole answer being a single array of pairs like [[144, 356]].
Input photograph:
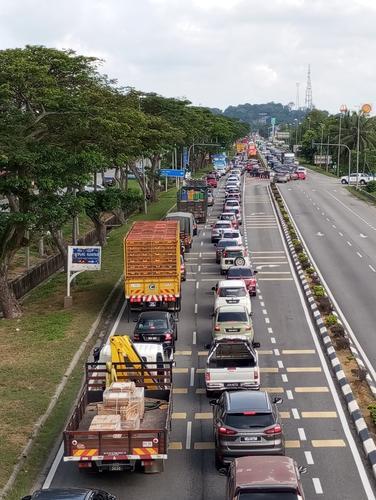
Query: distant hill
[[260, 115]]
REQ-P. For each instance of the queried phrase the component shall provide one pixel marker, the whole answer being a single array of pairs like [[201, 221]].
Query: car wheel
[[362, 182], [218, 461], [344, 181]]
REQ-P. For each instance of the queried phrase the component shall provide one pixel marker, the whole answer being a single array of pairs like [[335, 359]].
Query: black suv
[[246, 423], [69, 494], [156, 326]]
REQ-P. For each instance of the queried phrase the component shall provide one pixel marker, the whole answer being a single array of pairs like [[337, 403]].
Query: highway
[[340, 231], [292, 366]]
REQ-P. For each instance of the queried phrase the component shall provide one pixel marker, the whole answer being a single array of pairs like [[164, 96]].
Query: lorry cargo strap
[[153, 298]]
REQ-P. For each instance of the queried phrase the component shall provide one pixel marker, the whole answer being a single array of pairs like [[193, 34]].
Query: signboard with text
[[322, 159], [171, 172], [84, 258]]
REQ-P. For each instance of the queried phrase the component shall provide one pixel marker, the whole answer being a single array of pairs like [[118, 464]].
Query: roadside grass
[[362, 195], [37, 349], [318, 169]]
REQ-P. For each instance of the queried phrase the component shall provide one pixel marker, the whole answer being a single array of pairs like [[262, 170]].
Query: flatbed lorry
[[194, 198], [122, 449], [152, 265]]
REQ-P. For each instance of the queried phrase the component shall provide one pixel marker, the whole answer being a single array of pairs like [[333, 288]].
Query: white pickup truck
[[232, 364], [362, 178]]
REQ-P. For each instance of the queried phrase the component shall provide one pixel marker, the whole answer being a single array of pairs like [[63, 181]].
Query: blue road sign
[[171, 172]]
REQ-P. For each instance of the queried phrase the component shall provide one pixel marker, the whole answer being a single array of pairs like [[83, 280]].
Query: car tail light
[[217, 328], [231, 369], [168, 336], [277, 429], [224, 254], [207, 377], [249, 413], [223, 431], [248, 328], [256, 374], [136, 336]]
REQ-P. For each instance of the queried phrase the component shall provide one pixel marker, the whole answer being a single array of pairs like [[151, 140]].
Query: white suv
[[234, 256], [229, 292], [363, 178]]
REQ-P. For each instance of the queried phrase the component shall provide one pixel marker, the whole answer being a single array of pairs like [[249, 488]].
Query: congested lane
[[291, 367]]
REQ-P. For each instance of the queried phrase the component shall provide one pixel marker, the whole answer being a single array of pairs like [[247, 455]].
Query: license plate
[[232, 330], [152, 304], [151, 338], [232, 385], [115, 467], [249, 438], [232, 301]]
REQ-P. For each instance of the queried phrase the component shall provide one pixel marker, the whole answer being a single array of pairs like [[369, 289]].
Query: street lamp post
[[365, 109], [343, 110], [322, 125]]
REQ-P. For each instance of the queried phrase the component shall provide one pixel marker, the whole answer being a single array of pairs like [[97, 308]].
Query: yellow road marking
[[200, 391], [180, 390], [312, 389], [202, 353], [183, 353], [292, 444], [269, 370], [305, 369], [268, 351], [298, 351], [284, 414], [175, 445], [180, 370], [278, 390], [319, 414], [200, 370], [178, 416], [328, 443], [203, 416], [204, 445]]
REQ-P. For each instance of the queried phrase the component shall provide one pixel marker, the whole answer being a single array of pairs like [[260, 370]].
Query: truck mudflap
[[138, 454]]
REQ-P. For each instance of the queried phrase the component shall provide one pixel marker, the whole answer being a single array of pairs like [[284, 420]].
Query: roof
[[231, 283], [171, 215], [153, 314], [266, 470], [232, 308], [61, 494], [248, 401], [153, 230]]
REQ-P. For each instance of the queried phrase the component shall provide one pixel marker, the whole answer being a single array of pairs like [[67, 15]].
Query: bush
[[310, 271], [371, 187], [318, 291], [293, 235], [337, 330], [297, 245], [331, 320], [372, 412], [302, 257], [324, 305]]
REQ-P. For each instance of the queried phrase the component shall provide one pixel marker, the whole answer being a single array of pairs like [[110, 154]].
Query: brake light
[[224, 254], [256, 375], [207, 377], [249, 413], [136, 336], [277, 429], [217, 328], [168, 336], [248, 328], [231, 369], [223, 431]]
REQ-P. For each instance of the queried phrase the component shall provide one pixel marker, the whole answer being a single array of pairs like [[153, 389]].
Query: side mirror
[[223, 471], [135, 320], [176, 320], [256, 345], [255, 272], [213, 402], [302, 469], [277, 400], [213, 288]]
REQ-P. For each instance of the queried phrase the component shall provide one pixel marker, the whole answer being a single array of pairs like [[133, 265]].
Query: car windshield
[[232, 292], [268, 495], [232, 203], [152, 324], [226, 316], [246, 421], [239, 273]]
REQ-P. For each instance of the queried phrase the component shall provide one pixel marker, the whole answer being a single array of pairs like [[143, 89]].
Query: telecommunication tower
[[308, 94]]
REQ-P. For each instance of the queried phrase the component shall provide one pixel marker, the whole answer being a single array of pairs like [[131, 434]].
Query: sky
[[214, 52]]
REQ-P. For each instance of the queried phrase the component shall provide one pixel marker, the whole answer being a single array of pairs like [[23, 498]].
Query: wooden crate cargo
[[105, 423]]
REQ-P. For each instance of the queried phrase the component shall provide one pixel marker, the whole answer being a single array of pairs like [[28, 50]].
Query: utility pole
[[342, 110], [322, 138], [327, 155]]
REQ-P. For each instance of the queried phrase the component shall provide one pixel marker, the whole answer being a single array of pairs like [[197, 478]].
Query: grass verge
[[318, 169], [37, 349], [362, 195]]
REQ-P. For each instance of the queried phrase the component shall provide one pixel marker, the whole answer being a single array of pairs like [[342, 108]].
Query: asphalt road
[[292, 366], [340, 231]]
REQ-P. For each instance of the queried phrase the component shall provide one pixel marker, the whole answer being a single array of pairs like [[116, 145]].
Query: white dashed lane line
[[302, 435], [359, 254], [349, 243], [341, 234], [308, 457], [317, 485], [295, 413], [372, 268]]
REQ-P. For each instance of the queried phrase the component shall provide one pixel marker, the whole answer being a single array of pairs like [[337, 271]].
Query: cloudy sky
[[214, 52]]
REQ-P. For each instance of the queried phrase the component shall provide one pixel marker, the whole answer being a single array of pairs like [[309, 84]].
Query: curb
[[351, 403]]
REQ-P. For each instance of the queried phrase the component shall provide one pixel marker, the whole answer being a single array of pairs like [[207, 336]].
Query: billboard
[[322, 160]]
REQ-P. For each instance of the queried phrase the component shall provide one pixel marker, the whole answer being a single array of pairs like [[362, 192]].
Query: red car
[[245, 273], [211, 180], [301, 175]]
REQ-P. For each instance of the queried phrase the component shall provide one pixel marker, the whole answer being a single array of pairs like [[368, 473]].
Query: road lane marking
[[302, 435], [264, 311], [55, 465], [284, 377], [339, 232], [200, 391], [267, 251], [319, 414], [200, 370], [372, 268], [275, 279], [175, 445], [311, 389], [183, 353], [307, 369], [180, 390], [192, 377], [349, 243], [280, 363], [289, 394], [179, 416], [195, 308], [194, 338], [267, 321], [204, 416], [269, 370], [276, 352], [189, 436], [308, 457], [202, 353], [295, 413], [298, 351], [272, 340], [262, 304], [265, 351], [317, 485], [292, 443], [204, 445], [328, 443], [270, 329], [180, 370], [276, 390], [284, 414], [197, 283]]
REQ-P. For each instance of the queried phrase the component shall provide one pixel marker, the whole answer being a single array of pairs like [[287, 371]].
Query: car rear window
[[221, 224], [224, 244], [238, 316], [152, 324], [232, 292], [230, 234], [234, 253], [241, 421], [268, 495], [239, 273]]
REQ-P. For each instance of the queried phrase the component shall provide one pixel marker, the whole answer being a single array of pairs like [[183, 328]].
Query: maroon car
[[245, 273], [211, 180]]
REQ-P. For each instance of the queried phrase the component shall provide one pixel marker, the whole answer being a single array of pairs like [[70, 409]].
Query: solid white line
[[359, 254], [317, 485], [295, 413], [289, 394], [195, 308], [192, 378], [357, 459], [272, 340], [194, 338], [302, 435], [284, 377], [54, 466], [280, 363], [350, 210], [117, 321], [309, 459], [372, 268], [189, 436]]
